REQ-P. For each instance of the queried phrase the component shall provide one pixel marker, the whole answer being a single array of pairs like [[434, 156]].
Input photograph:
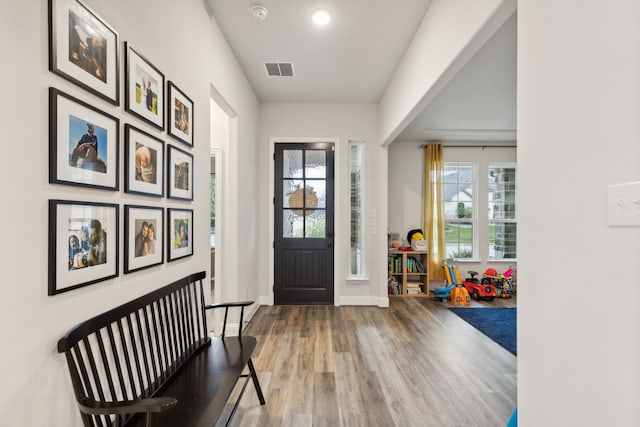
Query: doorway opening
[[222, 122]]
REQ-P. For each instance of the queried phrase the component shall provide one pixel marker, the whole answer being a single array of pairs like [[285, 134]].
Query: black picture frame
[[84, 143], [83, 49], [143, 237], [179, 115], [144, 88], [179, 245], [179, 174], [83, 244], [140, 148]]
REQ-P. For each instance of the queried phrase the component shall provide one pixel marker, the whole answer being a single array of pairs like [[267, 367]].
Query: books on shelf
[[414, 288], [407, 272], [395, 264], [415, 266]]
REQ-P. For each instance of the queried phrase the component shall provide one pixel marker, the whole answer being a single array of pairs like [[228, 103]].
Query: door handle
[[329, 240]]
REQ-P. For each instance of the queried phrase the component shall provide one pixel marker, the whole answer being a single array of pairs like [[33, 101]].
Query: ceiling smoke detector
[[259, 12]]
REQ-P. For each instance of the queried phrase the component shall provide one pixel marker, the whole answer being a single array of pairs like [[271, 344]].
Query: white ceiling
[[479, 103], [353, 59]]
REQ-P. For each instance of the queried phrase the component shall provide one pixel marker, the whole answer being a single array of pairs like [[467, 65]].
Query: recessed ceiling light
[[321, 17]]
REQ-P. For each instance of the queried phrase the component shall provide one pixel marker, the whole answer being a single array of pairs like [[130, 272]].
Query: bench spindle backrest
[[129, 352]]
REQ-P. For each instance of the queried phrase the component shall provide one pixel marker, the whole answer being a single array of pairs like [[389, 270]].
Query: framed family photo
[[143, 163], [83, 48], [180, 112], [143, 237], [83, 143], [83, 244], [179, 174], [144, 88], [179, 233]]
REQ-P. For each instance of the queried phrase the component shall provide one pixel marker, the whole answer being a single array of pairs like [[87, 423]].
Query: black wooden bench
[[153, 362]]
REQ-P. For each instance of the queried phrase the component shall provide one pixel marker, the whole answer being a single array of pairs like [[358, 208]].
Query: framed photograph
[[180, 115], [179, 233], [144, 88], [180, 174], [83, 48], [143, 237], [83, 143], [143, 163], [83, 244]]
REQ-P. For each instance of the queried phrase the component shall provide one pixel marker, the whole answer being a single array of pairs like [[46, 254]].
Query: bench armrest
[[226, 306], [152, 404], [229, 304]]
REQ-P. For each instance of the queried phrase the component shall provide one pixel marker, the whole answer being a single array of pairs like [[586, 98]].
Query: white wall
[[406, 161], [578, 293], [358, 122], [185, 44]]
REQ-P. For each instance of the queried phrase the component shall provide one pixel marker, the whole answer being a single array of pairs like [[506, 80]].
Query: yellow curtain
[[433, 208]]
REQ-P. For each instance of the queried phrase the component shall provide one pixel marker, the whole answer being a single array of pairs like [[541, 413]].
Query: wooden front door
[[304, 207]]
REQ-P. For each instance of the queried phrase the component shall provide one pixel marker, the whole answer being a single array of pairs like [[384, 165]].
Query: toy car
[[501, 282], [479, 290]]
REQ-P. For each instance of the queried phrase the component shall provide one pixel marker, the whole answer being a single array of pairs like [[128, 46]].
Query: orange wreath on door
[[297, 200]]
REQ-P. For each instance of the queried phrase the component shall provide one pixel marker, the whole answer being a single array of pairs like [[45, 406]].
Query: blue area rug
[[499, 324]]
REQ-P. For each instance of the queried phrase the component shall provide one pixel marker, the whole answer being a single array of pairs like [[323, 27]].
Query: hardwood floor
[[412, 364]]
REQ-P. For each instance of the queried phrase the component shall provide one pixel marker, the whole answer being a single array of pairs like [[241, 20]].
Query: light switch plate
[[624, 204]]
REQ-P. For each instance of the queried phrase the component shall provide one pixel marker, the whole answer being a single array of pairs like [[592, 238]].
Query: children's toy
[[500, 281], [443, 294], [455, 291], [485, 291]]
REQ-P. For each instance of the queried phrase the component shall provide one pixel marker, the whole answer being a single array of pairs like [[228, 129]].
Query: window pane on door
[[316, 193], [304, 194], [292, 194], [292, 164], [315, 164], [292, 224], [316, 223]]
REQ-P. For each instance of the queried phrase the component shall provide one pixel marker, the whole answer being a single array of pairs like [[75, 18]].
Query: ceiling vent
[[279, 69]]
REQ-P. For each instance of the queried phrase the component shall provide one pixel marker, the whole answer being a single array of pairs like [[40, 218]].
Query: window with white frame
[[460, 223], [502, 211], [356, 206]]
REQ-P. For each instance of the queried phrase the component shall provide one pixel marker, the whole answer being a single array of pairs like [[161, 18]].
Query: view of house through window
[[459, 209], [356, 165], [502, 211]]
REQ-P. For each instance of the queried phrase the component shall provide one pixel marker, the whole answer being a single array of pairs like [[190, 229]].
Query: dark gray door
[[304, 207]]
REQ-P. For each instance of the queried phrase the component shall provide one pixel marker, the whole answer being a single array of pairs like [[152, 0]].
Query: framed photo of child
[[179, 174], [143, 163], [83, 48], [83, 244], [143, 237], [180, 112], [84, 143], [144, 88], [179, 233]]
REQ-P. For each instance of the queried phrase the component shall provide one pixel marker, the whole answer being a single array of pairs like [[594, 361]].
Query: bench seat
[[153, 362], [202, 387]]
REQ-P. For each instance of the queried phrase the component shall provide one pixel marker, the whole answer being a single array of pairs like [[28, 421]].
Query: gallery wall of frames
[[157, 121]]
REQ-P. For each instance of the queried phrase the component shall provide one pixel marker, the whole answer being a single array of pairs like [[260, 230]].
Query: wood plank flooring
[[412, 364]]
